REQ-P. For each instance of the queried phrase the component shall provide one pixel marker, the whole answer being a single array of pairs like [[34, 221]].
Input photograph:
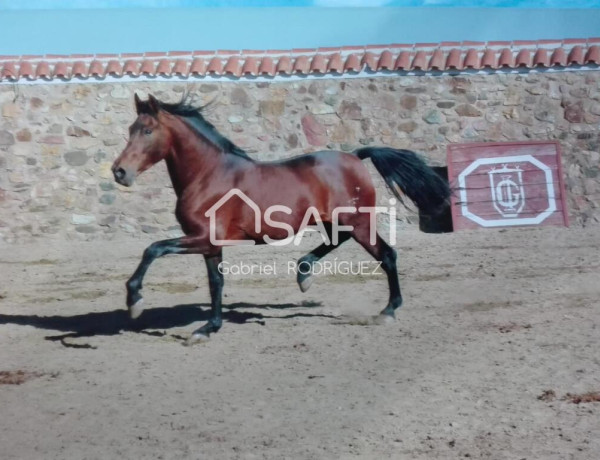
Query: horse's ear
[[138, 104], [153, 103]]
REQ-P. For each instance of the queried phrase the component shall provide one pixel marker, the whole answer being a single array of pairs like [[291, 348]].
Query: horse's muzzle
[[122, 176]]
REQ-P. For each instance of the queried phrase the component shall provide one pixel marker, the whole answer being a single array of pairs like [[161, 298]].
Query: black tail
[[407, 170]]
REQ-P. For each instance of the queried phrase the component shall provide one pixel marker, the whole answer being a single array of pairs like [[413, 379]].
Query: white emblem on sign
[[508, 195]]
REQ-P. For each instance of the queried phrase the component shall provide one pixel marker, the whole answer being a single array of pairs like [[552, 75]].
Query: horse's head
[[149, 142]]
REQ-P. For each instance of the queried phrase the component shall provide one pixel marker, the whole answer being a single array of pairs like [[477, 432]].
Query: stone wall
[[57, 142]]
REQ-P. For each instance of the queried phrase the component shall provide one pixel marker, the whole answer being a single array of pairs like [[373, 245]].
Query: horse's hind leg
[[384, 253], [305, 266]]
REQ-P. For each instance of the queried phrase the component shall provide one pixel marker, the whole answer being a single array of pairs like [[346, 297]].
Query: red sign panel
[[506, 184]]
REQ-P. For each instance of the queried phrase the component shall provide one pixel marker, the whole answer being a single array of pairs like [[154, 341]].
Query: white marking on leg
[[384, 319], [136, 309], [306, 283], [196, 338]]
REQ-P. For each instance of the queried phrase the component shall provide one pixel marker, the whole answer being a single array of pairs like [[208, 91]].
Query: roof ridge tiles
[[179, 53], [249, 52], [132, 55], [249, 63]]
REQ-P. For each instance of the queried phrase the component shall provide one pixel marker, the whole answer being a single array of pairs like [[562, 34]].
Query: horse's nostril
[[119, 173]]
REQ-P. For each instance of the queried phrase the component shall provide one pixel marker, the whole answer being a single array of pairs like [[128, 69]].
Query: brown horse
[[204, 167]]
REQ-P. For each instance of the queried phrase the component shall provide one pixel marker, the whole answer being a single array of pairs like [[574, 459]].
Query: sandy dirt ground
[[492, 320]]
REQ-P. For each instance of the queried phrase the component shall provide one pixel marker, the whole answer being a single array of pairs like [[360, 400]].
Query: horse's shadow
[[116, 321]]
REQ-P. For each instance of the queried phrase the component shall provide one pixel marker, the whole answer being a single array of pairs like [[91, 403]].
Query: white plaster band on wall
[[291, 78]]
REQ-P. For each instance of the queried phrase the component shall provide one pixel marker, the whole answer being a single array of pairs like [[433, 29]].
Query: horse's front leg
[[215, 282], [183, 245]]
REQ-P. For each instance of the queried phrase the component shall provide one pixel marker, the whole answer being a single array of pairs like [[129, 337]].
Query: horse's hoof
[[305, 283], [195, 338], [383, 319], [136, 309]]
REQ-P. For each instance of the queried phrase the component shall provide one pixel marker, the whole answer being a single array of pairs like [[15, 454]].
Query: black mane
[[193, 116]]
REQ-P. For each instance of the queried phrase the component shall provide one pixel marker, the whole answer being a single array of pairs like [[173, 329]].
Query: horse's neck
[[192, 158]]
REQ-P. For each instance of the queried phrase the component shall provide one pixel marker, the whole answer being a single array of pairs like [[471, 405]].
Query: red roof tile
[[449, 44], [318, 64], [154, 54], [301, 65], [80, 69], [403, 61], [575, 56], [267, 66], [386, 61], [523, 59], [26, 70], [114, 68], [233, 67], [352, 63], [56, 56], [179, 53], [471, 59], [198, 67], [420, 57], [453, 61], [284, 65], [96, 69], [215, 66], [472, 44], [250, 66], [425, 45], [489, 59], [559, 57], [147, 67], [369, 60], [106, 56], [335, 63], [61, 70], [420, 61], [132, 55], [73, 56], [180, 68], [523, 43], [593, 55], [9, 71], [131, 68], [43, 70], [353, 48], [304, 51], [164, 67], [551, 43], [540, 58], [437, 60], [506, 58], [326, 50]]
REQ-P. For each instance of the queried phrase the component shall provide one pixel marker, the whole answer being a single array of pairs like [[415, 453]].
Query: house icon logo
[[212, 212]]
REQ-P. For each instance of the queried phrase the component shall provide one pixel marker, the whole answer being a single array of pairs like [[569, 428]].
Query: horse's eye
[[147, 131]]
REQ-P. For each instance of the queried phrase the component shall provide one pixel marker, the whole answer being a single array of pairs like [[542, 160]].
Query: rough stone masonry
[[57, 141]]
